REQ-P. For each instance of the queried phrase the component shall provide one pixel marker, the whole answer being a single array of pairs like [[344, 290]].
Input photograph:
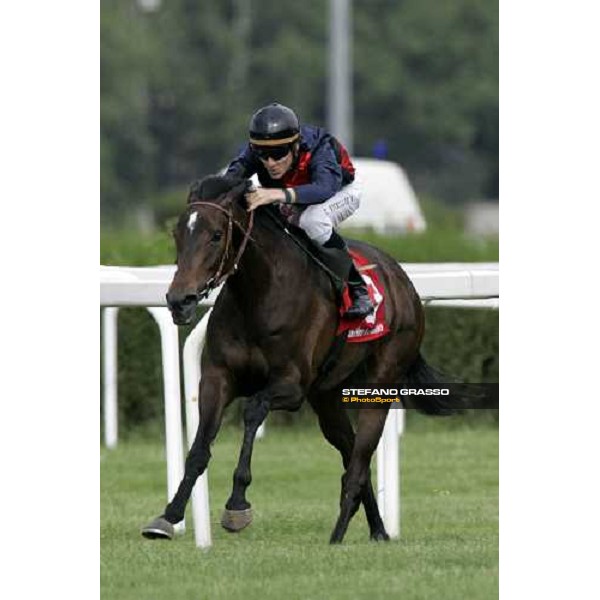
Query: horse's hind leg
[[356, 477], [336, 428], [388, 364]]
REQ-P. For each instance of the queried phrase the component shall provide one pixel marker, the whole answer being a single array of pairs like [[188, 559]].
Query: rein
[[219, 277], [337, 281]]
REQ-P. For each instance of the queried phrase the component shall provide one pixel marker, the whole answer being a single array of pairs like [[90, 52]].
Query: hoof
[[159, 529], [236, 520], [380, 536]]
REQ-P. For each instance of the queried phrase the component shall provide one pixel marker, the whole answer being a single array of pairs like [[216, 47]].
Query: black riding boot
[[361, 301], [343, 266]]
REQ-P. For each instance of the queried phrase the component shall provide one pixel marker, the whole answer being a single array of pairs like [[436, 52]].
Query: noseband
[[216, 280]]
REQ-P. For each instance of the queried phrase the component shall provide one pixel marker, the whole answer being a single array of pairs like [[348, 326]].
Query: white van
[[389, 203]]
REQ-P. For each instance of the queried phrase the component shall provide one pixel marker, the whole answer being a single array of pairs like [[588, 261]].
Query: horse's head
[[204, 242]]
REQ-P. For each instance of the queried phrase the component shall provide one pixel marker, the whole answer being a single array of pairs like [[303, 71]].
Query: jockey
[[307, 171]]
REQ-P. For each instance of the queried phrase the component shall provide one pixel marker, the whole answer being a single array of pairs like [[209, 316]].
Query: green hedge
[[435, 245], [463, 342]]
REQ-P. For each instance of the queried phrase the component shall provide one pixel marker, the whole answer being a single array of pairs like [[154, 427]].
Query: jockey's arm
[[325, 177]]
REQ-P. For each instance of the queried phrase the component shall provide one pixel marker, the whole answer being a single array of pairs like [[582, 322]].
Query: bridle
[[219, 277]]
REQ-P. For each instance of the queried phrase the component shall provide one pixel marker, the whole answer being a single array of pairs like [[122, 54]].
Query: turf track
[[449, 540]]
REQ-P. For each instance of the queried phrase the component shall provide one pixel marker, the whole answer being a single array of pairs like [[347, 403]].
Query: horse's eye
[[217, 235]]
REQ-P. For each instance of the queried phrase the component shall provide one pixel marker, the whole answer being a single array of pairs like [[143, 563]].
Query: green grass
[[449, 540]]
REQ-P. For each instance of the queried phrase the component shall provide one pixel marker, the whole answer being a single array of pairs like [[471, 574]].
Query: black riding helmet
[[274, 125]]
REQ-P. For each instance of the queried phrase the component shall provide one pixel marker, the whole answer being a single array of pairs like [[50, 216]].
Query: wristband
[[288, 196]]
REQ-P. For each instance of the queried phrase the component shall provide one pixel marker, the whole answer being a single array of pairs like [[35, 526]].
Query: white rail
[[474, 285], [147, 286]]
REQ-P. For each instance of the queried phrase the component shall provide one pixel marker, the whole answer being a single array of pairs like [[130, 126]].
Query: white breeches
[[319, 220]]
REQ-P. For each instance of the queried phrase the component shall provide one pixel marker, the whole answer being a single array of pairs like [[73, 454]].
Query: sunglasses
[[274, 152]]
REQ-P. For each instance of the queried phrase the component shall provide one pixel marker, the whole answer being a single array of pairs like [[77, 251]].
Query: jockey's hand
[[262, 196]]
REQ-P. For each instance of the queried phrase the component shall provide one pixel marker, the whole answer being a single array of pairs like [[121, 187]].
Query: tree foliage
[[179, 84]]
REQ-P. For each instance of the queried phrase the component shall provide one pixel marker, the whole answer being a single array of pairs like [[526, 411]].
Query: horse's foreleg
[[283, 395], [238, 514], [355, 480], [214, 394]]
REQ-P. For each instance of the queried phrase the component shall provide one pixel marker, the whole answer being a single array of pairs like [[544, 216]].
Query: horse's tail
[[422, 374]]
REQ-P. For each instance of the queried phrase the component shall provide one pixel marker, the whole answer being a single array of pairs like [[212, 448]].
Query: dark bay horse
[[271, 329]]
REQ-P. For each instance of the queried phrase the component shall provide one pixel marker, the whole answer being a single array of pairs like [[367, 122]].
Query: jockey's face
[[278, 167]]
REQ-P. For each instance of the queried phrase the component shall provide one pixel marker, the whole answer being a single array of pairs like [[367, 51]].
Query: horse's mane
[[213, 186]]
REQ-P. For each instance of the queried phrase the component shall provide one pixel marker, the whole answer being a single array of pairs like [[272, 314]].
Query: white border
[[50, 241]]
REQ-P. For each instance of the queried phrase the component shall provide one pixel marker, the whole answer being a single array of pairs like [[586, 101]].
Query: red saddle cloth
[[373, 326]]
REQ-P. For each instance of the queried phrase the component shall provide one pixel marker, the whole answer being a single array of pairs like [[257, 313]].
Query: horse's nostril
[[190, 299]]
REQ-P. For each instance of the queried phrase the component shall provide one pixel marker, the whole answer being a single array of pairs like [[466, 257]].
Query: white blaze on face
[[192, 221]]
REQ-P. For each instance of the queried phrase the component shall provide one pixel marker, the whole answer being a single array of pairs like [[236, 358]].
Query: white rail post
[[401, 418], [109, 341], [192, 350], [169, 341], [380, 478], [388, 475], [260, 432]]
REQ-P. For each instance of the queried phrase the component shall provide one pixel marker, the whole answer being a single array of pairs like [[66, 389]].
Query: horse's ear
[[236, 193], [219, 188], [243, 187], [195, 191]]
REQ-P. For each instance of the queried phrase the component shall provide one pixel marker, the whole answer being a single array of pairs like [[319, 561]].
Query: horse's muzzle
[[182, 307]]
